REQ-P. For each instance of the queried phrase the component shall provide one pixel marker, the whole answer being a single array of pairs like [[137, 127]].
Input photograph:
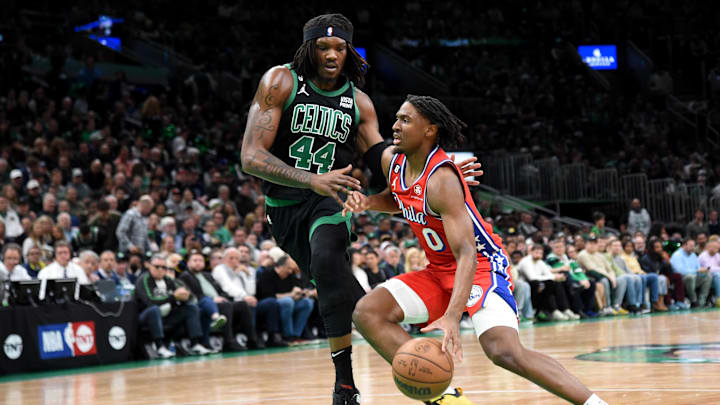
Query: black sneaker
[[276, 340], [346, 396]]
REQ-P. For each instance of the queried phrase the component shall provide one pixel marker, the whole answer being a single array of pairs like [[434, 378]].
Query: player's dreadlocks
[[304, 61], [449, 126]]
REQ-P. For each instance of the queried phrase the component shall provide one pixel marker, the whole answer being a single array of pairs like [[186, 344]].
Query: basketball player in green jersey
[[305, 124]]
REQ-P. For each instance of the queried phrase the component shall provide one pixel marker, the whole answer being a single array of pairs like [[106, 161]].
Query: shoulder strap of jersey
[[290, 99], [355, 107], [393, 162], [441, 159]]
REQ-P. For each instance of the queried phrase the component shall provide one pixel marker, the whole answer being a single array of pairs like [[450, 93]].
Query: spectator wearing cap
[[638, 218], [13, 226], [132, 231], [34, 196], [697, 225], [239, 314], [16, 181], [83, 191], [391, 264], [165, 304], [62, 267], [280, 287]]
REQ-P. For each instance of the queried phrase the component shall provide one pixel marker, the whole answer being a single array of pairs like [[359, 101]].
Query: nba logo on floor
[[66, 340]]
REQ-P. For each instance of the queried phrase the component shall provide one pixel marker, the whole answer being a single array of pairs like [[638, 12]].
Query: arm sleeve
[[373, 160]]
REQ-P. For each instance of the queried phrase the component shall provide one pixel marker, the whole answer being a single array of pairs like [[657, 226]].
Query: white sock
[[595, 400]]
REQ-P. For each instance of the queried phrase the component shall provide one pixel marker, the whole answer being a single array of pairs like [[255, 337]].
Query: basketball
[[421, 370]]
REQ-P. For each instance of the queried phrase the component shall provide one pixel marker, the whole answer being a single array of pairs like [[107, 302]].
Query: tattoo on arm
[[261, 162], [264, 164]]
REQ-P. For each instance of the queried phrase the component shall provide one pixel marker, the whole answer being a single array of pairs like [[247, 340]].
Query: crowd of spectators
[[109, 180]]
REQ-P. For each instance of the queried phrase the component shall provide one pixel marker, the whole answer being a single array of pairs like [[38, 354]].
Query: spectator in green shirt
[[581, 290]]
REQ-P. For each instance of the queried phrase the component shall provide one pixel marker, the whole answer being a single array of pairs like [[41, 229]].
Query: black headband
[[330, 31]]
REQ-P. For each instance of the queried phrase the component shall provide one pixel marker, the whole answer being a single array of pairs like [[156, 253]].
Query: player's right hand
[[356, 202], [334, 181]]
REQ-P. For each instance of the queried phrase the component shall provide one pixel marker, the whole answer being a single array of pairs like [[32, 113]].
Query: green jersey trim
[[334, 93], [334, 219], [290, 99], [278, 202]]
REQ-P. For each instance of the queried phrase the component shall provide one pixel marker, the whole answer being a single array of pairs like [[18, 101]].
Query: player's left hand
[[451, 331], [469, 169], [355, 202]]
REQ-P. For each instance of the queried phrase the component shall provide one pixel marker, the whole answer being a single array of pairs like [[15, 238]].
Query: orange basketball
[[421, 370]]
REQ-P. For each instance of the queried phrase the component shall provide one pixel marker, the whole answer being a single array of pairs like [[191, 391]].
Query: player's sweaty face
[[330, 53]]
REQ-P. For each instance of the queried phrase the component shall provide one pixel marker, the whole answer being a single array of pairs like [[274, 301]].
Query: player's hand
[[451, 334], [585, 284], [469, 168], [356, 202], [335, 181]]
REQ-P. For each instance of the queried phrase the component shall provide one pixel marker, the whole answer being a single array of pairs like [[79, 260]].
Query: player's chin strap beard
[[329, 31]]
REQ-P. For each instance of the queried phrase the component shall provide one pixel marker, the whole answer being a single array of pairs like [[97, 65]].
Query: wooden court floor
[[669, 359]]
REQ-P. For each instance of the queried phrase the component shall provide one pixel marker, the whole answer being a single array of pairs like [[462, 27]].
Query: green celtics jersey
[[316, 133]]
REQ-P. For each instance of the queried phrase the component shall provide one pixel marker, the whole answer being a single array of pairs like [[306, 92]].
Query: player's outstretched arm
[[446, 197], [262, 126]]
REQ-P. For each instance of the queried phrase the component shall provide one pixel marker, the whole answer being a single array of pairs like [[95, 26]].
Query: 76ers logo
[[417, 189]]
